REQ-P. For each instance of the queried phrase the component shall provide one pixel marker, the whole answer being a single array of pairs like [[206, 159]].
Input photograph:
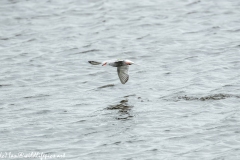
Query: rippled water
[[182, 102]]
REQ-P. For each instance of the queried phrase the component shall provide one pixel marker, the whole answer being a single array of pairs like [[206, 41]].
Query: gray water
[[181, 102]]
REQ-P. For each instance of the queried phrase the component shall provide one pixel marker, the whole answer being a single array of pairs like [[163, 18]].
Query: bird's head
[[128, 62]]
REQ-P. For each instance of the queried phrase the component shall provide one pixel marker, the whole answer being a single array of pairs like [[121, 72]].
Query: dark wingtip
[[94, 62]]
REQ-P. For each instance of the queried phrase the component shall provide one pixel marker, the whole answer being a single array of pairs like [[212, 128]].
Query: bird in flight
[[122, 68]]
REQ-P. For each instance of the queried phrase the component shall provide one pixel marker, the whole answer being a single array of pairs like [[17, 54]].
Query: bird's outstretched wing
[[119, 62], [94, 62], [123, 73]]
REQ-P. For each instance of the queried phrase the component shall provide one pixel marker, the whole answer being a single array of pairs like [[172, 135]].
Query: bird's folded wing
[[123, 74], [94, 62]]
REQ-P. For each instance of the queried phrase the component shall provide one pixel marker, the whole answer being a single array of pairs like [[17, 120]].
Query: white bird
[[122, 68]]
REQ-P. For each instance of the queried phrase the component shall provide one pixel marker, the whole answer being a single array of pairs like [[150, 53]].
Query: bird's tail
[[94, 62]]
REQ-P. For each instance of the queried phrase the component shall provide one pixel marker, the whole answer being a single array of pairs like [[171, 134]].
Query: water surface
[[182, 102]]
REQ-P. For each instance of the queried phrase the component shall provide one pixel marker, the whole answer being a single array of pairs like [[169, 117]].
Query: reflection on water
[[124, 110]]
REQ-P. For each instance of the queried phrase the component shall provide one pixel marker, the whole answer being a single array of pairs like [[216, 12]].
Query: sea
[[182, 99]]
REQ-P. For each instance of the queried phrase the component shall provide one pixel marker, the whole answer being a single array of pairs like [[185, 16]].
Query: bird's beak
[[130, 63]]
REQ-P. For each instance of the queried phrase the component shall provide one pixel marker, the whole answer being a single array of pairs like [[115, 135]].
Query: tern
[[122, 68]]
